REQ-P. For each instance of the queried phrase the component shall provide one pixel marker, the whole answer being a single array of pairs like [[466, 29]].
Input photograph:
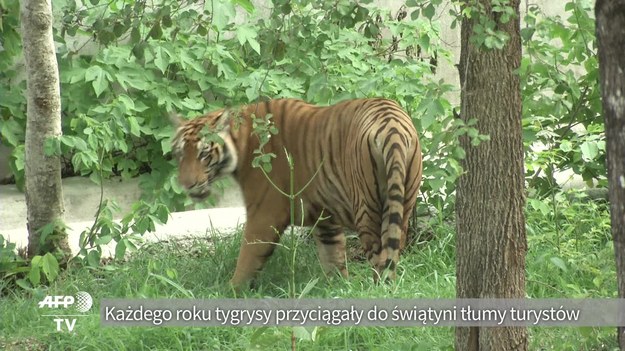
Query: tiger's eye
[[204, 155]]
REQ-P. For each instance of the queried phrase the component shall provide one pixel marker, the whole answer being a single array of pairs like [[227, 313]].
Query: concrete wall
[[81, 199]]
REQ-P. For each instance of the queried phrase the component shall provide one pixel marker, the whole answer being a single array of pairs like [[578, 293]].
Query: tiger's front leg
[[259, 240]]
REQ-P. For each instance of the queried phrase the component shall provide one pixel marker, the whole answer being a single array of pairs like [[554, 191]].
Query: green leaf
[[187, 59], [93, 258], [223, 13], [459, 153], [539, 205], [162, 213], [156, 32], [24, 284], [92, 73], [165, 146], [311, 284], [81, 145], [527, 33], [98, 77], [429, 11], [491, 42], [254, 44], [34, 276], [10, 130], [120, 250], [558, 262], [424, 42], [192, 104], [133, 79], [167, 22], [246, 5], [161, 59], [566, 146], [248, 34], [139, 50], [436, 183], [590, 150], [135, 35], [68, 140], [129, 105], [50, 266], [414, 15], [201, 30], [103, 240], [130, 245], [266, 167], [428, 119], [171, 273], [139, 106], [134, 126], [169, 282]]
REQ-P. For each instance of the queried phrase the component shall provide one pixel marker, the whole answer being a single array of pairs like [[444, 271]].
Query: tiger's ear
[[223, 122], [175, 119]]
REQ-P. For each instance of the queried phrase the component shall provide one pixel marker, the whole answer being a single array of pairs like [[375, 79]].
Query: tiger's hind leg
[[371, 243], [331, 242]]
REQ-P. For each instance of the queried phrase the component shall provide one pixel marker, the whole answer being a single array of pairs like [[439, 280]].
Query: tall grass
[[570, 255]]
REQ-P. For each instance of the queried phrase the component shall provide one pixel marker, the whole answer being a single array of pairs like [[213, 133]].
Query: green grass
[[570, 255]]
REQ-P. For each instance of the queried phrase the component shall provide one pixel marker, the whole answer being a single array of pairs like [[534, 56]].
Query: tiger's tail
[[398, 152]]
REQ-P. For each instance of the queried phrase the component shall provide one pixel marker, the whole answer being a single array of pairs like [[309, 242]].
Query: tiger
[[358, 164]]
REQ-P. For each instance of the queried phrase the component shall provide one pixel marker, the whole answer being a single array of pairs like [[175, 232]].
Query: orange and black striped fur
[[368, 158]]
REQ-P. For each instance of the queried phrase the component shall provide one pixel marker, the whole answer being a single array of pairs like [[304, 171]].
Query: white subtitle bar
[[362, 312]]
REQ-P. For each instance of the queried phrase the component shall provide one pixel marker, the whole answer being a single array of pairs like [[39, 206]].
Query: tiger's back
[[358, 164]]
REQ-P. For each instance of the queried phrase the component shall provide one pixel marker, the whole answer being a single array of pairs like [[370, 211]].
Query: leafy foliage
[[562, 123], [15, 269], [11, 264], [485, 34], [125, 65], [570, 236]]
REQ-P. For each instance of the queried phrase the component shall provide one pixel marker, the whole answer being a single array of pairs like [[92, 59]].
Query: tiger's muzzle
[[199, 192]]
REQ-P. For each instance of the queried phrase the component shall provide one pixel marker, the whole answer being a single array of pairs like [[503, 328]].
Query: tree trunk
[[490, 223], [44, 195], [610, 16]]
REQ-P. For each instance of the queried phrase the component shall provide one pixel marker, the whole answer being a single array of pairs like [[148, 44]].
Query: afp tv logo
[[81, 303]]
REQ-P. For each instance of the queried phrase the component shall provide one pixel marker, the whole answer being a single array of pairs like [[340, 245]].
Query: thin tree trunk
[[610, 16], [44, 195], [490, 242]]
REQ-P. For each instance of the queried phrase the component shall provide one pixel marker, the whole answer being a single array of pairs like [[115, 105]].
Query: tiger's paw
[[240, 287]]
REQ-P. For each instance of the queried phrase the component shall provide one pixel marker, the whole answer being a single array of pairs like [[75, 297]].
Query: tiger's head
[[204, 150]]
